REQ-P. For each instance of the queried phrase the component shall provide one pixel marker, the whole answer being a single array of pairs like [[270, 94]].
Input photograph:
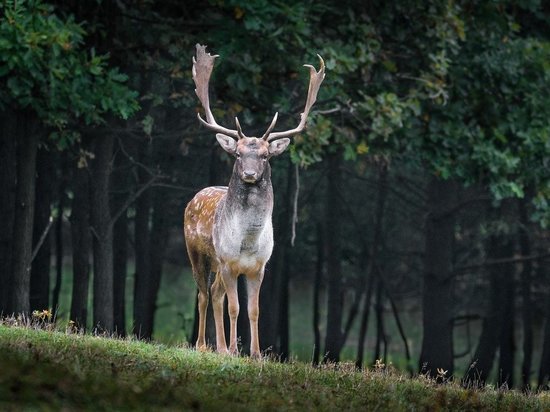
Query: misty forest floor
[[49, 370]]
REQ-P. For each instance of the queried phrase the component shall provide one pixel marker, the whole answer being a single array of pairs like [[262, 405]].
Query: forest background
[[411, 218]]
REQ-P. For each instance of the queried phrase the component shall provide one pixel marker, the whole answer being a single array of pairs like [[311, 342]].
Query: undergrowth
[[51, 370]]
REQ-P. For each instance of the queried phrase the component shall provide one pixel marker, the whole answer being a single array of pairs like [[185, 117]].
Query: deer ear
[[278, 146], [227, 143]]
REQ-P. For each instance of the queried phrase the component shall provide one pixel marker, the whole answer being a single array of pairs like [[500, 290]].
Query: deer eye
[[238, 155]]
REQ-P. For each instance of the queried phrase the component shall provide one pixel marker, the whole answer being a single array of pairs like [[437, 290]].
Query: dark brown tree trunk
[[120, 270], [59, 247], [482, 363], [8, 134], [505, 376], [363, 326], [380, 330], [399, 328], [283, 272], [40, 270], [142, 220], [498, 324], [375, 250], [544, 370], [159, 240], [377, 245], [27, 145], [270, 292], [81, 246], [333, 338], [316, 294], [437, 303], [120, 241], [284, 330], [527, 300], [102, 235]]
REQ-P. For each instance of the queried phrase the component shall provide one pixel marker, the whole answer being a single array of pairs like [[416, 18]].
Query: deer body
[[232, 224], [228, 230]]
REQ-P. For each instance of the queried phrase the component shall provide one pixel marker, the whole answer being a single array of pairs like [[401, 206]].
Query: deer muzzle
[[250, 176]]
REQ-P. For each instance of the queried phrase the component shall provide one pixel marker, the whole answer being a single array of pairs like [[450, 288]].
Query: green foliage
[[70, 371], [309, 147], [379, 72], [458, 87], [45, 68], [495, 128]]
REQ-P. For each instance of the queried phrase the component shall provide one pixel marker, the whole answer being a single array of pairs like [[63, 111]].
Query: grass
[[175, 314], [52, 370]]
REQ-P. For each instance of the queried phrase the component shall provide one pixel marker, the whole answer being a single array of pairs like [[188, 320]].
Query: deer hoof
[[202, 348], [223, 351], [256, 355]]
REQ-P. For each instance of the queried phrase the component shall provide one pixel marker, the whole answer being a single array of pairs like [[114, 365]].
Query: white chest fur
[[245, 239]]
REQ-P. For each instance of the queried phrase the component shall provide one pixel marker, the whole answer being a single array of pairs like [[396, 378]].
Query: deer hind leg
[[200, 273], [253, 291], [203, 306], [218, 294], [230, 282]]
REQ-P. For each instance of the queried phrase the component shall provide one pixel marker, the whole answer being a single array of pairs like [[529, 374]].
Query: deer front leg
[[253, 290], [218, 295], [230, 282]]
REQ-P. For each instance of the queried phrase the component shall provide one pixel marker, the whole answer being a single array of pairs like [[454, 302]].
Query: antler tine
[[315, 80], [271, 126], [202, 70], [239, 130]]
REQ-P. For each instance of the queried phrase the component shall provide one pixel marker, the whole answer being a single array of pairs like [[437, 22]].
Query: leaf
[[96, 70], [390, 66], [362, 148], [147, 125]]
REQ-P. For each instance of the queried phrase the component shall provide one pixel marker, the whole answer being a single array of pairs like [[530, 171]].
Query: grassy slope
[[53, 370]]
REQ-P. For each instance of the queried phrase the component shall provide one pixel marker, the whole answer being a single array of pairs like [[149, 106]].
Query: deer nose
[[249, 174]]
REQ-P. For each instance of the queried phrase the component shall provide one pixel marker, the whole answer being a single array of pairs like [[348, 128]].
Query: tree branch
[[132, 198], [502, 261], [295, 205], [42, 238]]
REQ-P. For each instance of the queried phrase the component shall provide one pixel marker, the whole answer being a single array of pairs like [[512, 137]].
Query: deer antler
[[315, 80], [271, 126], [202, 69]]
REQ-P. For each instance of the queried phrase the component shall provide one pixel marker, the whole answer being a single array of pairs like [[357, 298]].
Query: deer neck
[[251, 200], [243, 231], [253, 197]]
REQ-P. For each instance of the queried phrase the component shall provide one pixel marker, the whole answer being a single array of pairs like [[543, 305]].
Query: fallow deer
[[228, 230]]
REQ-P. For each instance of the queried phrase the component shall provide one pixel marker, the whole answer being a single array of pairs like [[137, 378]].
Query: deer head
[[252, 154]]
